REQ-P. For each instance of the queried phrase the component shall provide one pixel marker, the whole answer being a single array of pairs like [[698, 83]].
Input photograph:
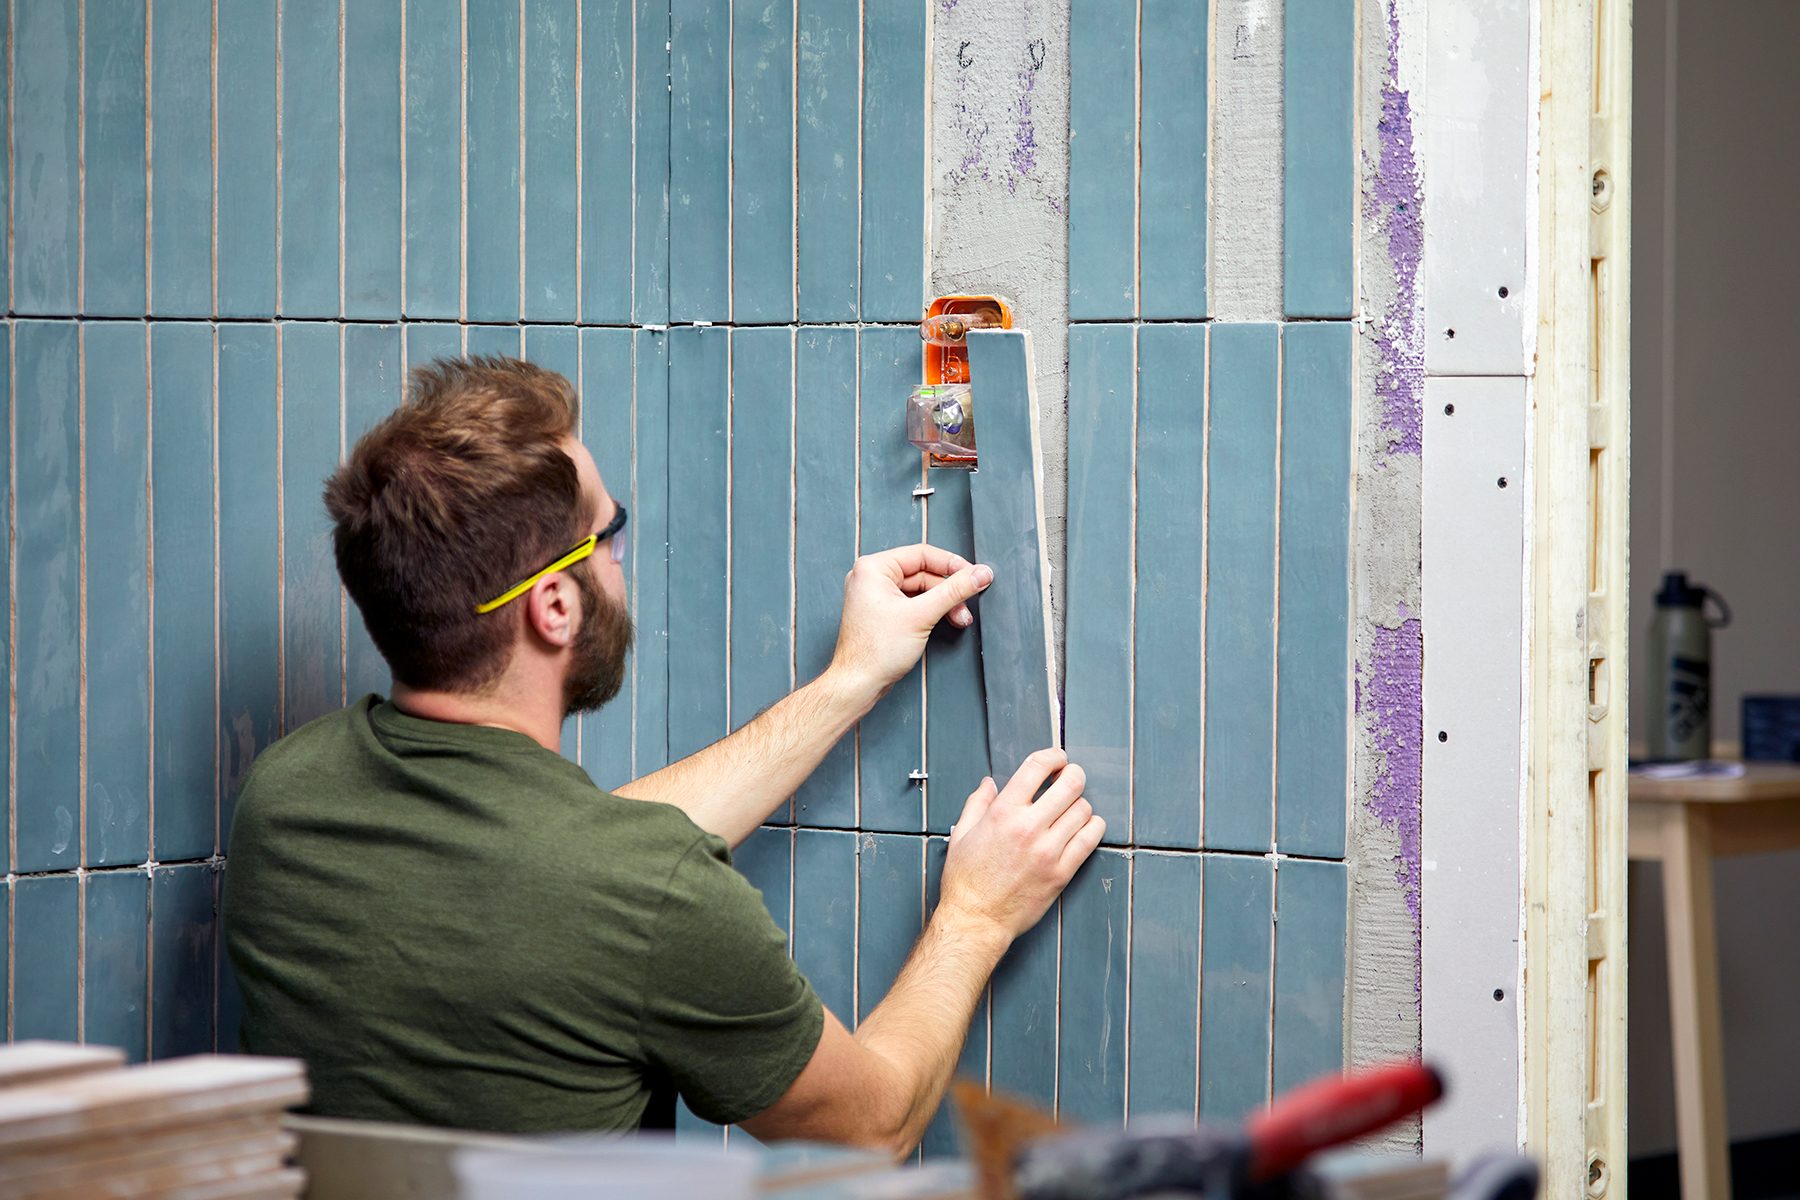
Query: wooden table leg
[[1694, 1004]]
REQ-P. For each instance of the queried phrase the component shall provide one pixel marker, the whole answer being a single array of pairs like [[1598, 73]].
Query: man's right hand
[[1009, 855]]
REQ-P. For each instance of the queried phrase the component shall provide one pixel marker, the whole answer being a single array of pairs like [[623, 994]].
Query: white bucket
[[645, 1167]]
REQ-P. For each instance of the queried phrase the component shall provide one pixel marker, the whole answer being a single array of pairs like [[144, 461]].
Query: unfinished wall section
[[1383, 1003]]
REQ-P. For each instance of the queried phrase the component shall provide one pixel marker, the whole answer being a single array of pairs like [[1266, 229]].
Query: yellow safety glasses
[[575, 554]]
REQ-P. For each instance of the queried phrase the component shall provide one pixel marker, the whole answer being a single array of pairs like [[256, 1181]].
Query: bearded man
[[453, 925]]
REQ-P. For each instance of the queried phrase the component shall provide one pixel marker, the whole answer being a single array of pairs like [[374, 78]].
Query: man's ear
[[552, 608]]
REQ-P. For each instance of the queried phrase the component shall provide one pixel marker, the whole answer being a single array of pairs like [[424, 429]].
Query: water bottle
[[1681, 668]]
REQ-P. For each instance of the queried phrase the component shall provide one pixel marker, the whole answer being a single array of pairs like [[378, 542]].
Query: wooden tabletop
[[1760, 781]]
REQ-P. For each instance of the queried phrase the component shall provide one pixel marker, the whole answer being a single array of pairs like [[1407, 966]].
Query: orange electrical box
[[944, 331]]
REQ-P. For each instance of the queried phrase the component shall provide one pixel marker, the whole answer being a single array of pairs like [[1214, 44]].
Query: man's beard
[[597, 666]]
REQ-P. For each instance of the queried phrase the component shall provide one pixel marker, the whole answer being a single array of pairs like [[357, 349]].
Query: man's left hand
[[892, 602]]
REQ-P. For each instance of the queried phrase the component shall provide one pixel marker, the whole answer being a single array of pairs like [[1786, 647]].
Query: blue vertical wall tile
[[762, 161], [312, 634], [1103, 139], [1173, 145], [47, 952], [893, 168], [1240, 600], [246, 172], [507, 341], [181, 106], [182, 937], [47, 576], [1312, 904], [249, 638], [372, 132], [6, 938], [1096, 919], [825, 916], [1235, 986], [762, 520], [1313, 652], [766, 859], [1171, 451], [649, 554], [956, 729], [310, 216], [558, 348], [181, 457], [824, 543], [606, 152], [115, 258], [889, 516], [116, 962], [1025, 1016], [1318, 106], [372, 389], [491, 146], [942, 1135], [429, 342], [1097, 689], [606, 418], [228, 1025], [826, 150], [552, 186], [698, 564], [650, 212], [1016, 661], [699, 159], [891, 913], [434, 139], [46, 139], [118, 615], [1165, 981]]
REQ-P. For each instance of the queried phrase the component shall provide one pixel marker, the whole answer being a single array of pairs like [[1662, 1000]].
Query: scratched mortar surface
[[1000, 199], [1244, 212], [1383, 848]]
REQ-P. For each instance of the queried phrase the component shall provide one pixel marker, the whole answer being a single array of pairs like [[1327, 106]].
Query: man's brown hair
[[458, 494]]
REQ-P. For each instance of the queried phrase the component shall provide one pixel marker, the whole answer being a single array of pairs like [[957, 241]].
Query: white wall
[[1716, 485]]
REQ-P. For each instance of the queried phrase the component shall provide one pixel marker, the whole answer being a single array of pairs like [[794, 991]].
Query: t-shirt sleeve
[[727, 1016]]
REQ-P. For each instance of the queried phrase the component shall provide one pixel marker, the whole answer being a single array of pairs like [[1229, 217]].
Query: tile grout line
[[82, 657], [405, 223], [343, 222], [280, 160], [218, 763], [213, 149], [523, 177], [281, 616], [149, 155], [462, 151], [80, 156], [580, 159]]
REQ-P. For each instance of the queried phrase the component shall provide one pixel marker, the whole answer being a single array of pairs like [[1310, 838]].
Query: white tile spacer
[[918, 776], [921, 491]]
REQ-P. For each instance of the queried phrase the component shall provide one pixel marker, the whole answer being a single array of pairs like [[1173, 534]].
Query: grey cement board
[[999, 181], [1478, 96], [1474, 579], [1245, 208]]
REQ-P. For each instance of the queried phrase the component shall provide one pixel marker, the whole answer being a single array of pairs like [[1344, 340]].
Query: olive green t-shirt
[[454, 926]]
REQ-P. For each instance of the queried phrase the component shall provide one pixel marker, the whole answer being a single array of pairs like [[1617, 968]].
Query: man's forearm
[[731, 786], [920, 1027]]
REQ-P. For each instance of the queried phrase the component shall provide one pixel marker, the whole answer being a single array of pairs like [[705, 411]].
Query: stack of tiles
[[76, 1122]]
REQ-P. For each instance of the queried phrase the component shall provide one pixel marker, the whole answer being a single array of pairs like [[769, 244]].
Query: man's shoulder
[[320, 742]]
